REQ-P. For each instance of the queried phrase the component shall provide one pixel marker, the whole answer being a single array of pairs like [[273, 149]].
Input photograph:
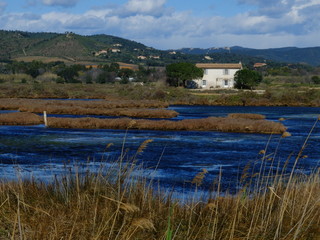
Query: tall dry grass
[[19, 118], [205, 124], [224, 124], [117, 204], [246, 116], [140, 109], [16, 103]]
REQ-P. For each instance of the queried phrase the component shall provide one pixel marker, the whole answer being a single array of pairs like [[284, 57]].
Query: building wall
[[217, 78]]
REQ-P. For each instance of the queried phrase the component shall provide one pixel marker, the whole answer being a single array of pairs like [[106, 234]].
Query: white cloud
[[144, 6], [64, 3], [154, 24]]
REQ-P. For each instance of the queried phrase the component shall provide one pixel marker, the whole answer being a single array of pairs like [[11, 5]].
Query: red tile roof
[[219, 65]]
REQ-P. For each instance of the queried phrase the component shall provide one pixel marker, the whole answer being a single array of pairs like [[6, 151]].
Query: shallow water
[[177, 156]]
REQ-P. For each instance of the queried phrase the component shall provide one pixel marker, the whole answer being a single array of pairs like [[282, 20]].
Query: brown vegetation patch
[[20, 118], [140, 109], [206, 124], [94, 206], [246, 116], [16, 103]]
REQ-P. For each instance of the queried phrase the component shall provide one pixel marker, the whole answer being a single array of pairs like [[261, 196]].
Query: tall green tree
[[179, 73], [247, 79]]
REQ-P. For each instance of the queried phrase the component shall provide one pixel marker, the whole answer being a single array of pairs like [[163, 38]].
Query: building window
[[226, 71], [204, 83], [205, 71], [226, 83]]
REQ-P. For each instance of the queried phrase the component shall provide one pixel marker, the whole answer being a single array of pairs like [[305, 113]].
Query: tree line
[[175, 74]]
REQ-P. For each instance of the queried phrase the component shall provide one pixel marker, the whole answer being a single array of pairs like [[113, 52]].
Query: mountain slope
[[100, 48], [288, 54]]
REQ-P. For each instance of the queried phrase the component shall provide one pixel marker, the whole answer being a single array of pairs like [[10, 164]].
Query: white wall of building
[[217, 77]]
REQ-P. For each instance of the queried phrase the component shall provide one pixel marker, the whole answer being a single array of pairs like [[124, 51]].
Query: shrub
[[315, 79]]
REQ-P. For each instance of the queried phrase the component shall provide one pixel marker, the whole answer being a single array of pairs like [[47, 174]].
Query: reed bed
[[246, 116], [139, 109], [116, 204], [127, 112], [17, 103], [206, 124], [20, 118]]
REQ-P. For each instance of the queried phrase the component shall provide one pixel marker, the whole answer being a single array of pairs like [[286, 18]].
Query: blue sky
[[171, 24]]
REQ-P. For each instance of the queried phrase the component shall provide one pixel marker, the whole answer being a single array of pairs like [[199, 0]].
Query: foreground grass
[[116, 205]]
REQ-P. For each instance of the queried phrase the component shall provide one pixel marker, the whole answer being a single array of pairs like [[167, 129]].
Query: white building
[[217, 75]]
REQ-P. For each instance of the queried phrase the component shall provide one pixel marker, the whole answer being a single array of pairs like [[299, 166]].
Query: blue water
[[177, 156]]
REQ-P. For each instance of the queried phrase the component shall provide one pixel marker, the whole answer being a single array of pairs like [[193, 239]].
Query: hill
[[71, 47], [288, 54]]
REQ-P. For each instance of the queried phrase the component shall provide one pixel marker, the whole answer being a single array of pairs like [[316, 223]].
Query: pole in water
[[45, 118]]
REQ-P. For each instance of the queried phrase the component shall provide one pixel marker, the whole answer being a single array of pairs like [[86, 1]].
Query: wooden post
[[45, 118]]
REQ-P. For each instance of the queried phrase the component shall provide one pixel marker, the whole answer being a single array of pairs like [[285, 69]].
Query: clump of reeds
[[18, 118], [140, 109], [206, 124], [28, 104], [246, 116]]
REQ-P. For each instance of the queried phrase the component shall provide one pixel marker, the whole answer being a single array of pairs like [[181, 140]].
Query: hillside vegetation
[[287, 54], [102, 48]]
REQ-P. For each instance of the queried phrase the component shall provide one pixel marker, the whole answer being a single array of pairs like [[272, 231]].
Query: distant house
[[115, 50], [142, 57], [216, 75], [101, 52], [259, 65]]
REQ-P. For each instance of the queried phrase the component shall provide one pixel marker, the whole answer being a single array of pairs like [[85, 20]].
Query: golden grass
[[98, 206], [206, 124], [246, 115], [139, 109], [17, 103], [19, 118]]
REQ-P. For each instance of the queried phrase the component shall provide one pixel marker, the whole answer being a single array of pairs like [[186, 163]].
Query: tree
[[33, 68], [315, 79], [125, 75], [70, 73], [179, 73], [247, 79]]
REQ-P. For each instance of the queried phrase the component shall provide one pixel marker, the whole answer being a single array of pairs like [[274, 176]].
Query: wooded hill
[[287, 55], [27, 46]]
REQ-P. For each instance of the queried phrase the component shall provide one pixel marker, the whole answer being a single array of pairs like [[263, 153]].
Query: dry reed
[[246, 116], [206, 124], [18, 118], [16, 103], [139, 109], [91, 207]]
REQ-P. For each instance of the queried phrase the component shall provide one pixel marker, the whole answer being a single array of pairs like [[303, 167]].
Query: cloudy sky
[[170, 24]]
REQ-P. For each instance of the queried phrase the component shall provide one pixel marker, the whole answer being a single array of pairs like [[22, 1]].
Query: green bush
[[60, 80], [316, 79]]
